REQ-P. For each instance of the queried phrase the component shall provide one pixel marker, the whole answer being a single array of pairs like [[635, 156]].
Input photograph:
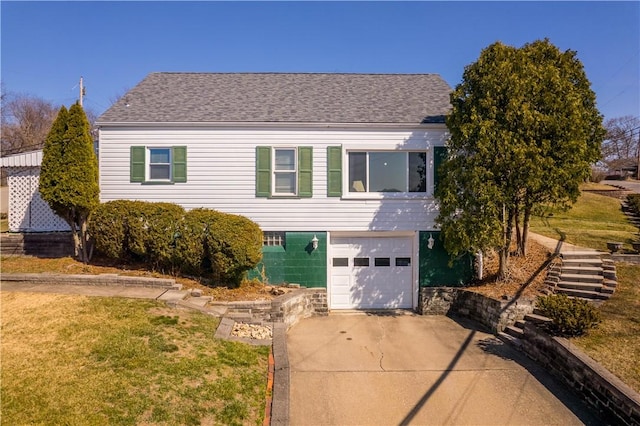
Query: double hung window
[[164, 165], [284, 171]]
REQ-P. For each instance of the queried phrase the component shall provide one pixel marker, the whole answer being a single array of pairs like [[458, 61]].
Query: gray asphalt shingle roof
[[286, 98]]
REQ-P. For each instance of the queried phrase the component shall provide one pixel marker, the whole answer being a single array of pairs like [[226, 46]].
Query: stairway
[[589, 275], [586, 274]]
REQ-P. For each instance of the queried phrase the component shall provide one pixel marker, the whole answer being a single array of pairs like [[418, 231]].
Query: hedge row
[[203, 242]]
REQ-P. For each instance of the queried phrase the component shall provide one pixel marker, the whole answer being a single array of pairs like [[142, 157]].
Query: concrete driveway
[[399, 369]]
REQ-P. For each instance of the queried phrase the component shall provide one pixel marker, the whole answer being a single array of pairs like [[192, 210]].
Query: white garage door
[[371, 273]]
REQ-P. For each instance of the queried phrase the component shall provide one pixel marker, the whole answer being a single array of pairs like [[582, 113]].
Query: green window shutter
[[439, 155], [334, 171], [263, 171], [305, 171], [136, 166], [179, 163]]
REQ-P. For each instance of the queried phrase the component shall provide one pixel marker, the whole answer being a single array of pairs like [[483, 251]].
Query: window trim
[[148, 164], [275, 172]]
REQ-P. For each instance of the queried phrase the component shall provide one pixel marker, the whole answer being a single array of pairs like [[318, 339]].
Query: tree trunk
[[504, 251], [525, 230], [519, 252]]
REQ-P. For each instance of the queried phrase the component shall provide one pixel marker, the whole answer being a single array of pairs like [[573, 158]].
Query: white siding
[[221, 175]]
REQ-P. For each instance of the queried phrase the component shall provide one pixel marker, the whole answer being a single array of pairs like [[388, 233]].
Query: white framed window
[[273, 238], [285, 172], [159, 164], [386, 172]]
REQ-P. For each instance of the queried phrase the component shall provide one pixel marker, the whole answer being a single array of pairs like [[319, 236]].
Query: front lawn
[[79, 360], [615, 344], [591, 222]]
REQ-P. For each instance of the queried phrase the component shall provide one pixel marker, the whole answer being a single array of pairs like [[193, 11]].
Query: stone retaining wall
[[102, 279], [288, 308], [597, 386], [494, 314]]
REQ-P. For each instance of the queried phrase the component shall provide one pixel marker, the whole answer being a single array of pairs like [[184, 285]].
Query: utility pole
[[82, 90]]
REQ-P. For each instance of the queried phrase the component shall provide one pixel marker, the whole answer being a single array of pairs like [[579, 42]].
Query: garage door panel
[[374, 280]]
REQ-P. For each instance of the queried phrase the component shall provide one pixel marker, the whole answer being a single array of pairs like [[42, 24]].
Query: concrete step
[[583, 293], [580, 254], [520, 324], [607, 290], [514, 331], [610, 283], [581, 278], [581, 262], [537, 317], [507, 338], [582, 270], [579, 286]]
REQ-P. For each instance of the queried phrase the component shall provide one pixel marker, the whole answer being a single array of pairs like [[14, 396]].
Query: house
[[27, 211], [337, 169]]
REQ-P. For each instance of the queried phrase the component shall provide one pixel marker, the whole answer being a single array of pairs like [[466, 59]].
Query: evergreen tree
[[524, 131], [69, 176]]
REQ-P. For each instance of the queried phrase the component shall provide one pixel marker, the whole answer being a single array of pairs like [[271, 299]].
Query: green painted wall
[[295, 262], [434, 269]]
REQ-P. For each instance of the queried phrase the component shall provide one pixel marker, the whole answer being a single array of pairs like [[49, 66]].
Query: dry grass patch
[[79, 360]]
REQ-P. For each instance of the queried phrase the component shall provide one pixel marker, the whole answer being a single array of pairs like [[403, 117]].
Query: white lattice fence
[[27, 210]]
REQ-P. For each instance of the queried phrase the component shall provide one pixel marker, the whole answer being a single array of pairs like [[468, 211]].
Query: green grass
[[78, 360], [591, 222], [615, 343], [4, 225]]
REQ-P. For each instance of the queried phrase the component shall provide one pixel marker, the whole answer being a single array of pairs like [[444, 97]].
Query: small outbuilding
[[28, 212]]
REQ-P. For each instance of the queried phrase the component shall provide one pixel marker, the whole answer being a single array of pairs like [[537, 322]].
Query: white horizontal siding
[[221, 175]]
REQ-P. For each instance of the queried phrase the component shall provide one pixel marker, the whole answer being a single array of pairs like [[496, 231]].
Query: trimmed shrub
[[161, 222], [235, 246], [223, 246], [107, 227], [570, 317], [202, 242], [190, 250], [137, 230]]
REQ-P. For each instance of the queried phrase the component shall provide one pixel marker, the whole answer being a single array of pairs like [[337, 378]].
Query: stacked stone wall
[[496, 315], [597, 386]]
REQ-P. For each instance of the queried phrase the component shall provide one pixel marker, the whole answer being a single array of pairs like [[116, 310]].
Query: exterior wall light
[[430, 242], [314, 242]]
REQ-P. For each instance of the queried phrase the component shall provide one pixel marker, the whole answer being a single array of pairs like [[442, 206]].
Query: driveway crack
[[382, 336]]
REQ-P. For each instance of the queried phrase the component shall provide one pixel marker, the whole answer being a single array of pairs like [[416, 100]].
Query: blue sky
[[47, 46]]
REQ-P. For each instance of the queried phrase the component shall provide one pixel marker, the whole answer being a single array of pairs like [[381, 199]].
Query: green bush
[[202, 242], [223, 246], [570, 317], [235, 246], [137, 230], [190, 250], [107, 228]]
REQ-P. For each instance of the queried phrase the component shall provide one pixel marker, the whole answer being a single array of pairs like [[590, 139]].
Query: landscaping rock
[[252, 331]]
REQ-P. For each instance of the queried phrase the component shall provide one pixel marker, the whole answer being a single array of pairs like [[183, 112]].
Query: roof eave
[[279, 124]]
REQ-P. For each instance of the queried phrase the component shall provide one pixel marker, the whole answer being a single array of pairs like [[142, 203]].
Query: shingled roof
[[283, 98]]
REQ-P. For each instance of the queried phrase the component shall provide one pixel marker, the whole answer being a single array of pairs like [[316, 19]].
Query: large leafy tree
[[69, 176], [524, 131]]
